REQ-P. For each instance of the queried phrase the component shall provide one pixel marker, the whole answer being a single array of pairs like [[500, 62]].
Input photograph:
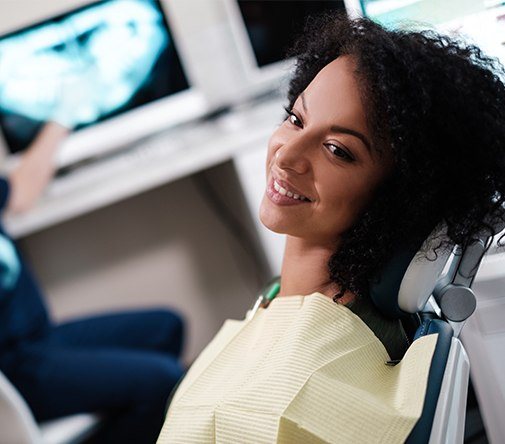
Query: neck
[[305, 269]]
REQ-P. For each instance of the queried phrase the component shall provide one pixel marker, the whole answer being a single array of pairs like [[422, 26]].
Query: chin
[[273, 219], [268, 218]]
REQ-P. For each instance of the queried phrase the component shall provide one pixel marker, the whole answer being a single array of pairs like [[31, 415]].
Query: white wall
[[250, 165], [484, 339], [18, 13], [161, 248]]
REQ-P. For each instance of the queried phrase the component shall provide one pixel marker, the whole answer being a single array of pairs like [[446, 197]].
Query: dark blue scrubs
[[123, 364]]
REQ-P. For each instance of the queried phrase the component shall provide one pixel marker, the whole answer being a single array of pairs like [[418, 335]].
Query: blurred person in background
[[123, 365]]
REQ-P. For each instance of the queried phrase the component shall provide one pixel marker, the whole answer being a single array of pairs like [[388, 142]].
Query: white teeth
[[285, 192]]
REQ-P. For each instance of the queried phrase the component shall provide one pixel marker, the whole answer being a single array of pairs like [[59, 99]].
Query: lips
[[282, 193]]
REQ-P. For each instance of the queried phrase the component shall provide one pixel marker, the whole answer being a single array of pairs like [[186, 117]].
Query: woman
[[389, 134]]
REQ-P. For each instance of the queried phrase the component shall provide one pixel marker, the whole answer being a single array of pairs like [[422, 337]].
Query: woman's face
[[321, 172]]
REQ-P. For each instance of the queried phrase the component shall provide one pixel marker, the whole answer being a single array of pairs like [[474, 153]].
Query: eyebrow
[[341, 129]]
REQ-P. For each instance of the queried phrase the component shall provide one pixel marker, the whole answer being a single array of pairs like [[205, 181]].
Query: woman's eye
[[339, 152], [293, 119]]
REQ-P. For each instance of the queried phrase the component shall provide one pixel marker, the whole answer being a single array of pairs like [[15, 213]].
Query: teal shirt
[[23, 313], [10, 265]]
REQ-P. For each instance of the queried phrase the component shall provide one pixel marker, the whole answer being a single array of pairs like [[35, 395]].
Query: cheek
[[346, 196], [268, 161]]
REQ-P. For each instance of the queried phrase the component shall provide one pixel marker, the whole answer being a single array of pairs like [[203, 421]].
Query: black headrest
[[406, 282]]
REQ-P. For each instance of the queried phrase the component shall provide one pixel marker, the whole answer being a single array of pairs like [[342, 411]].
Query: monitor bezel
[[254, 73]]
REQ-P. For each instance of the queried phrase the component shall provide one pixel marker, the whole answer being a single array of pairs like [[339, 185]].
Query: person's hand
[[35, 169]]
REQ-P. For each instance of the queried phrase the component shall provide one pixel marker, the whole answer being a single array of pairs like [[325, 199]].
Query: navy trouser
[[122, 364]]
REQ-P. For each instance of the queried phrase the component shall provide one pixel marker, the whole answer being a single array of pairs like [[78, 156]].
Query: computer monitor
[[264, 30], [110, 69]]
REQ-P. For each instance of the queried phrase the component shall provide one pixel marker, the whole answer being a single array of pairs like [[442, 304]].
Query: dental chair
[[18, 426], [435, 296]]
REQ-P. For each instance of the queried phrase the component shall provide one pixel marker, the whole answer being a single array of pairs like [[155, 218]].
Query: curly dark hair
[[438, 106]]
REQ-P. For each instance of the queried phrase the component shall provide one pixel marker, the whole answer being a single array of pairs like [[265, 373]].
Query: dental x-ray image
[[85, 66]]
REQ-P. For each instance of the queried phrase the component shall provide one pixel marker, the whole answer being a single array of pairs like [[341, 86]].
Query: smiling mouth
[[285, 192]]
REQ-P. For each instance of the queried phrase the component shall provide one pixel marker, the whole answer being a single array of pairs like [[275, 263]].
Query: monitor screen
[[86, 66], [434, 12], [272, 25]]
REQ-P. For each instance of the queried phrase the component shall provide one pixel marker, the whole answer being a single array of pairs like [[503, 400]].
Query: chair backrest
[[404, 288], [438, 290], [443, 416], [17, 424]]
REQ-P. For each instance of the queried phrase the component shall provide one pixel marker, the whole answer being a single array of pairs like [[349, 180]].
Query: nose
[[293, 154]]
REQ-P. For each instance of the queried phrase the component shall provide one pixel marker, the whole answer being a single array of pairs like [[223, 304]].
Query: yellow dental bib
[[304, 370]]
